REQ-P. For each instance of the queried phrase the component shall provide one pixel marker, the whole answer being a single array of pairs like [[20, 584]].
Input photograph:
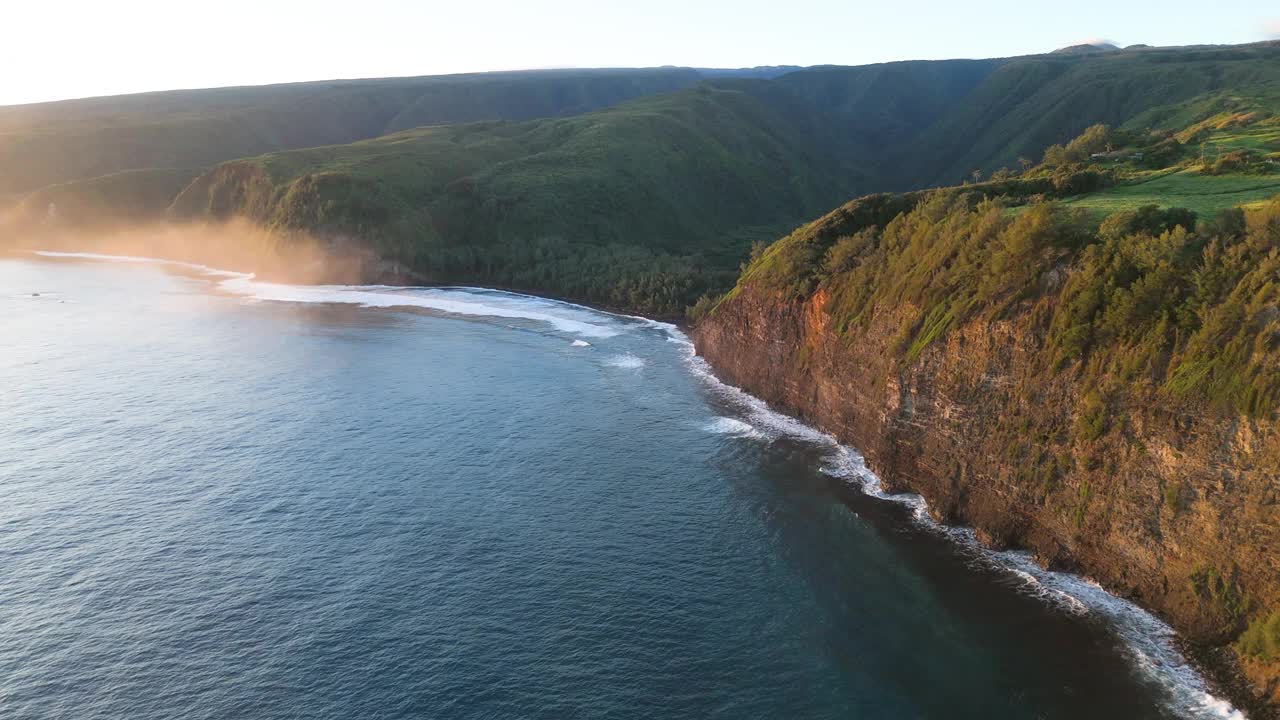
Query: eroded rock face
[[1172, 507]]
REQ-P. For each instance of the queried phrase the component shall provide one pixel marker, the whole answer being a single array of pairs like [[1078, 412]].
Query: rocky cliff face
[[1175, 510]]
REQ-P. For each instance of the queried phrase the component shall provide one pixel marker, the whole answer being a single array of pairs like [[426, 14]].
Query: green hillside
[[51, 143], [1028, 104], [1161, 265], [649, 204], [129, 195], [645, 206], [885, 105]]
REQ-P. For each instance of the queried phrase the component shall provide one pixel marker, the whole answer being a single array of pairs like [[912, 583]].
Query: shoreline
[[1215, 677], [1219, 675]]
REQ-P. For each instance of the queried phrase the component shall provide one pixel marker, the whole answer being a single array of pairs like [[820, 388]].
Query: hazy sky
[[76, 48]]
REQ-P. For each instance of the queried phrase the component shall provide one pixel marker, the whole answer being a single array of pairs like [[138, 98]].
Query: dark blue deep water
[[222, 499]]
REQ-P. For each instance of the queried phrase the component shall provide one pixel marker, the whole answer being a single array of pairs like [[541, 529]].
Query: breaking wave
[[626, 361], [474, 302], [731, 426], [454, 301]]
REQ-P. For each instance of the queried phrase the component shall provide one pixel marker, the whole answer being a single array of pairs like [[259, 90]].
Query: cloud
[[1271, 28]]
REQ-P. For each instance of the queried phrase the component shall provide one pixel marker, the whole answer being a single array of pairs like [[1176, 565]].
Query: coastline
[[1213, 675], [1222, 688], [954, 427]]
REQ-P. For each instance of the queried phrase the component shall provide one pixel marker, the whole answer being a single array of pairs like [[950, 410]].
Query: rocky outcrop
[[1177, 510]]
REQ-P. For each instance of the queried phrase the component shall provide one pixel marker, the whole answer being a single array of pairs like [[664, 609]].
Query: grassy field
[[1204, 194], [1263, 138]]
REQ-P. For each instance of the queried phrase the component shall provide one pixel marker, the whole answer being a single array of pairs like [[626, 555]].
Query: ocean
[[223, 498]]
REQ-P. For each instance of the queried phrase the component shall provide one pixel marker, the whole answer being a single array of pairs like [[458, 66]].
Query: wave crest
[[731, 426], [454, 301], [625, 361]]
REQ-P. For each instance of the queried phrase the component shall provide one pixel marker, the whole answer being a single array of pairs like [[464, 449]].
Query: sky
[[79, 48]]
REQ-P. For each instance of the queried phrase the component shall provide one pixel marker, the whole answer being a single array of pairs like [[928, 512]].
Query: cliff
[[1165, 498]]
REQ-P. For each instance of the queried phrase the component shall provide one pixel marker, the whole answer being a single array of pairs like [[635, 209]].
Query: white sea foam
[[476, 302], [456, 301], [144, 260], [731, 426], [565, 317], [626, 361], [771, 424], [1150, 642]]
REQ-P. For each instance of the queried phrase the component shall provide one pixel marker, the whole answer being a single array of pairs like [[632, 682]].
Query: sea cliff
[[1170, 503]]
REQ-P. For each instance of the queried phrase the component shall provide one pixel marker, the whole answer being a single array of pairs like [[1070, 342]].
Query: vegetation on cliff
[[1186, 302], [1262, 639], [1146, 324]]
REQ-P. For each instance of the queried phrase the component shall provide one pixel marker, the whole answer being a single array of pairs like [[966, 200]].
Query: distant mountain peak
[[1087, 48]]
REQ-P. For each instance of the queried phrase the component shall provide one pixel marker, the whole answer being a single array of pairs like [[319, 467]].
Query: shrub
[[1094, 139], [1055, 156], [1148, 220], [1067, 181], [1092, 422], [1225, 223], [1164, 154], [1262, 638], [702, 308], [848, 250], [1234, 162]]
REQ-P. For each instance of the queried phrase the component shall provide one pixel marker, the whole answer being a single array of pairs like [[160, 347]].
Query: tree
[[1093, 140], [1055, 156]]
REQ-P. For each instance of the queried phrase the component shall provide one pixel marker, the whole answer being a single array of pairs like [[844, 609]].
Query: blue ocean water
[[227, 499]]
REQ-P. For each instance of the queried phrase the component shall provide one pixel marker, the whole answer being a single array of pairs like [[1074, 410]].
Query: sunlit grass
[[1204, 194]]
